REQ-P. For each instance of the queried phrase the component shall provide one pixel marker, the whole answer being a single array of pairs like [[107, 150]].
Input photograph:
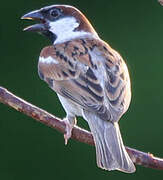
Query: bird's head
[[60, 23]]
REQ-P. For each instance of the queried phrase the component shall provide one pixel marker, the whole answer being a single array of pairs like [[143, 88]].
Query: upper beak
[[35, 15]]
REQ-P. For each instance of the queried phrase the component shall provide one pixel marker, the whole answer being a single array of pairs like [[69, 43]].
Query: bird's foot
[[68, 129]]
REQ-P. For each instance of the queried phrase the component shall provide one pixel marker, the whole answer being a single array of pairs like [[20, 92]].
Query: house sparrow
[[90, 78]]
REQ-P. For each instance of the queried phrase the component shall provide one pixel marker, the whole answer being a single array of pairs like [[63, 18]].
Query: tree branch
[[138, 157]]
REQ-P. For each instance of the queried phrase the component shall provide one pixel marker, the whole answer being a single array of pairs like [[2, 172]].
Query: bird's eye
[[55, 13]]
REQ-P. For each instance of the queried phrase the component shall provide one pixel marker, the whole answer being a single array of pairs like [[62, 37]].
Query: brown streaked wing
[[75, 78], [117, 82]]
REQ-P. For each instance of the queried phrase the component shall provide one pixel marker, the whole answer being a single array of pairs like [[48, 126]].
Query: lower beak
[[35, 28], [35, 15]]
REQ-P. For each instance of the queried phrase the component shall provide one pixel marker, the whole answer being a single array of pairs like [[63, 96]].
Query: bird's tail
[[110, 151]]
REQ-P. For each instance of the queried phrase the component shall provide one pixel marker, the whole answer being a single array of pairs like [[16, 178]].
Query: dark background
[[30, 150]]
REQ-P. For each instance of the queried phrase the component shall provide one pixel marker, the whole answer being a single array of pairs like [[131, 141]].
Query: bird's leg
[[69, 121]]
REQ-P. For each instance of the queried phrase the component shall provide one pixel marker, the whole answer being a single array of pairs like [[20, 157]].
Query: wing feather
[[90, 73]]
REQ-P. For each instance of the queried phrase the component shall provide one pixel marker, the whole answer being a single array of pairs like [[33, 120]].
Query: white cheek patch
[[48, 60], [64, 25], [64, 29]]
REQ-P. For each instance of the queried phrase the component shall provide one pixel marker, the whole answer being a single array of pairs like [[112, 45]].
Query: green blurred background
[[30, 150]]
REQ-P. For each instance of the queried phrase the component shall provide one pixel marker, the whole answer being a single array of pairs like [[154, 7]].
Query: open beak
[[35, 15]]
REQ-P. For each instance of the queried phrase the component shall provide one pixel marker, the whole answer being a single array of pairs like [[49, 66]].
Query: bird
[[90, 78]]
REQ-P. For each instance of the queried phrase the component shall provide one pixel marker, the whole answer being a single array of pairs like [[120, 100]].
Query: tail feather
[[110, 151]]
